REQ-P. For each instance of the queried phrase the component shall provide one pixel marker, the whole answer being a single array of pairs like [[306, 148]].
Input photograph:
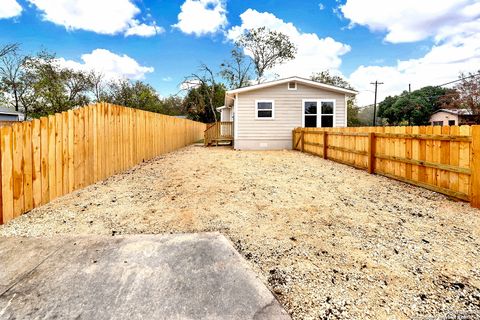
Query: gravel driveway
[[331, 241]]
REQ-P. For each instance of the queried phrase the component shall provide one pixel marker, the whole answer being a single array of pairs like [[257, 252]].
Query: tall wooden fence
[[442, 159], [52, 156]]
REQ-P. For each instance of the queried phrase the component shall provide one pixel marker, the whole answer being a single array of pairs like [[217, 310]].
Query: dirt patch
[[331, 241]]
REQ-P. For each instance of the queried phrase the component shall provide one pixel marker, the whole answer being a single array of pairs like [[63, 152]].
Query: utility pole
[[376, 83]]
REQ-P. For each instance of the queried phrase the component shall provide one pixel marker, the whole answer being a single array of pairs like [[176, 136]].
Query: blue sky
[[162, 41]]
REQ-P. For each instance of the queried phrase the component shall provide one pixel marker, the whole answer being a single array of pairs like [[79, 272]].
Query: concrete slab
[[189, 276]]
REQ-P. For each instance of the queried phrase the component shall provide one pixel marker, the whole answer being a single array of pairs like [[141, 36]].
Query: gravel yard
[[331, 241]]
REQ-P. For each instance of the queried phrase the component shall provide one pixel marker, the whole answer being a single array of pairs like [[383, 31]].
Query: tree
[[466, 94], [12, 77], [197, 103], [338, 81], [237, 71], [268, 49], [412, 108], [136, 94], [97, 85], [8, 48], [334, 80], [205, 81], [53, 88]]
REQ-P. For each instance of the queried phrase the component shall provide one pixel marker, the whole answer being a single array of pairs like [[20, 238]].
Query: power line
[[468, 77]]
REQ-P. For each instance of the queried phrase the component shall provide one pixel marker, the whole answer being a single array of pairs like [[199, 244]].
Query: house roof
[[460, 112], [8, 111], [296, 79]]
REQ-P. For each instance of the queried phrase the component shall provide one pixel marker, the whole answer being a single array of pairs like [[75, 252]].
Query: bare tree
[[268, 48], [466, 94], [6, 49], [97, 84], [237, 71], [205, 78], [12, 71]]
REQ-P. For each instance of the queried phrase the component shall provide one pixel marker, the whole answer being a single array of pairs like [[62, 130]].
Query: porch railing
[[218, 131]]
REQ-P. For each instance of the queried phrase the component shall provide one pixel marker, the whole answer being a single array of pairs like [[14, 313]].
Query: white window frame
[[291, 89], [319, 108], [256, 109]]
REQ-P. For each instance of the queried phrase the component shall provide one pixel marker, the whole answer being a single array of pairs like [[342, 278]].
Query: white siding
[[277, 133]]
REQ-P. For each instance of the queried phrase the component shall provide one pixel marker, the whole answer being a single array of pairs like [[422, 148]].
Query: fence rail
[[442, 159], [55, 155]]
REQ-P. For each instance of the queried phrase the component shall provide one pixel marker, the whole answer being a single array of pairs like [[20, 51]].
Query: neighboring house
[[264, 115], [10, 115], [452, 117]]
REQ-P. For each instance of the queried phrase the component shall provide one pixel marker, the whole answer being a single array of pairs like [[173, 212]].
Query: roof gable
[[293, 79]]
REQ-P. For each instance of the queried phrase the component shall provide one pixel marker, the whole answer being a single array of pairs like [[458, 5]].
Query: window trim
[[291, 89], [319, 108], [267, 101]]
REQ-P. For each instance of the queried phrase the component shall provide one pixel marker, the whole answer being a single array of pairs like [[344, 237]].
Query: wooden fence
[[442, 159], [55, 155]]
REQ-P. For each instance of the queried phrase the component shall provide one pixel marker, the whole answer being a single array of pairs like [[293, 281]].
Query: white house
[[452, 117], [264, 115]]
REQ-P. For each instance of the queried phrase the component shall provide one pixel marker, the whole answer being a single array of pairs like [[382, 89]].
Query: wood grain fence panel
[[7, 173], [65, 146], [475, 166], [71, 150], [79, 148], [415, 145], [44, 159], [58, 155], [444, 176], [27, 167], [89, 162], [454, 154], [464, 161], [52, 178], [18, 167], [36, 164]]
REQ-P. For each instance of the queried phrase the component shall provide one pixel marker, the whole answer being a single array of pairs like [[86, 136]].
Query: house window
[[292, 85], [318, 113], [451, 122], [438, 123], [264, 109]]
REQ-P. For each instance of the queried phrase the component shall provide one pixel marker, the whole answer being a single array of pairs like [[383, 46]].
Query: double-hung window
[[318, 113], [264, 109]]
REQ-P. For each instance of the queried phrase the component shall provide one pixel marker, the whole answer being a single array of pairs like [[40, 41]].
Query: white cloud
[[9, 9], [111, 65], [104, 16], [441, 64], [314, 54], [190, 84], [453, 25], [143, 30], [201, 17], [321, 6], [413, 20]]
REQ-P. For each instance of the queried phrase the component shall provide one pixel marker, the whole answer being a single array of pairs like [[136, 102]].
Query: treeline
[[416, 107], [38, 85]]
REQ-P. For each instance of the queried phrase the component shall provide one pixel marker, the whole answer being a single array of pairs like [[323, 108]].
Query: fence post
[[293, 138], [371, 152], [325, 145], [475, 168], [302, 140]]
